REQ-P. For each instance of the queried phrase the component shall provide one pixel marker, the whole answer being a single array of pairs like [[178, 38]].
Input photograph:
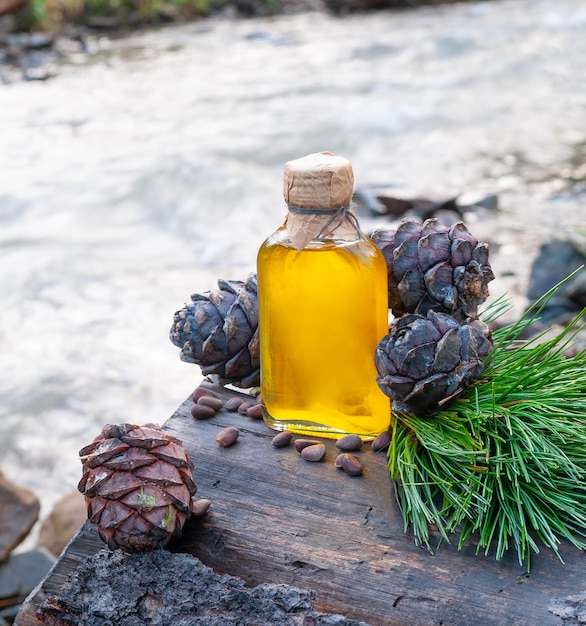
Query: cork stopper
[[318, 181]]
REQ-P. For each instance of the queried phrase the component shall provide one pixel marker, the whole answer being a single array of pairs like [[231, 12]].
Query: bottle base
[[312, 429]]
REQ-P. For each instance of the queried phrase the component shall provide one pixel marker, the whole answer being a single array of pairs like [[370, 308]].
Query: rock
[[160, 587], [366, 198], [39, 41], [8, 615], [43, 72], [471, 200], [67, 516], [577, 288], [11, 6], [19, 511], [8, 584], [396, 202], [342, 7], [21, 573], [447, 217], [555, 262], [7, 25]]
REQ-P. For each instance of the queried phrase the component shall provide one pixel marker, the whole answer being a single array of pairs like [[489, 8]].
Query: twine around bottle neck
[[339, 215]]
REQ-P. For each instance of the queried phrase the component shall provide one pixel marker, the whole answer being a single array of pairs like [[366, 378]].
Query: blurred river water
[[148, 170]]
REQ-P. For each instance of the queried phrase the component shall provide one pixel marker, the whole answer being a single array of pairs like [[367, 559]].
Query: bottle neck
[[305, 224]]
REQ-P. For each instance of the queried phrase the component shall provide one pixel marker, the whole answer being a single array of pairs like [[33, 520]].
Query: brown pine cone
[[138, 486]]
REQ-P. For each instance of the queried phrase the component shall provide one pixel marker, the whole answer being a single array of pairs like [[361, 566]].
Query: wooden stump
[[277, 518]]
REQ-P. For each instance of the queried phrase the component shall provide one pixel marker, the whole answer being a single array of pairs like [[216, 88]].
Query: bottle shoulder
[[278, 249], [281, 237]]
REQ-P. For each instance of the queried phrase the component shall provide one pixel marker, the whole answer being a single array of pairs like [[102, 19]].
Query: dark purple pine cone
[[138, 486], [425, 361], [434, 268], [218, 330]]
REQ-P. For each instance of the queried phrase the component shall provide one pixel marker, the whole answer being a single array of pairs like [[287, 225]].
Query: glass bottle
[[323, 307]]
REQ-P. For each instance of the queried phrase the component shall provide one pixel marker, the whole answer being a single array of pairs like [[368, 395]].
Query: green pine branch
[[505, 464]]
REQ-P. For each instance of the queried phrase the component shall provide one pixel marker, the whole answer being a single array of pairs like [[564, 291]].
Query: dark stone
[[577, 288], [21, 573], [342, 7], [160, 587], [19, 511], [8, 615], [39, 41], [19, 576], [8, 583], [554, 263], [447, 217], [396, 202], [366, 198], [472, 200]]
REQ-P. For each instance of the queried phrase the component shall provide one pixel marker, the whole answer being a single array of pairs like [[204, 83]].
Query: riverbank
[[33, 48]]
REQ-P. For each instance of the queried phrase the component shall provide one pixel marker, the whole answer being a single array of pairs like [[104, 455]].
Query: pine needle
[[505, 464]]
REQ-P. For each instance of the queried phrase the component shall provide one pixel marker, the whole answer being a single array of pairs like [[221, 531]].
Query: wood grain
[[277, 518]]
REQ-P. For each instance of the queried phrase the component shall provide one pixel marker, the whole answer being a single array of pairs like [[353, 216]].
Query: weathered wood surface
[[277, 518]]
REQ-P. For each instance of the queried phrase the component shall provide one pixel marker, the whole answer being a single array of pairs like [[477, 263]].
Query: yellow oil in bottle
[[322, 311]]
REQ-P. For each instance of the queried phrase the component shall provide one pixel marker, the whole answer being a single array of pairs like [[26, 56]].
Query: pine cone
[[426, 361], [218, 330], [138, 486], [434, 268]]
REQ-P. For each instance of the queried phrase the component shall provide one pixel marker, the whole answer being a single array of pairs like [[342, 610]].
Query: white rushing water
[[145, 173]]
